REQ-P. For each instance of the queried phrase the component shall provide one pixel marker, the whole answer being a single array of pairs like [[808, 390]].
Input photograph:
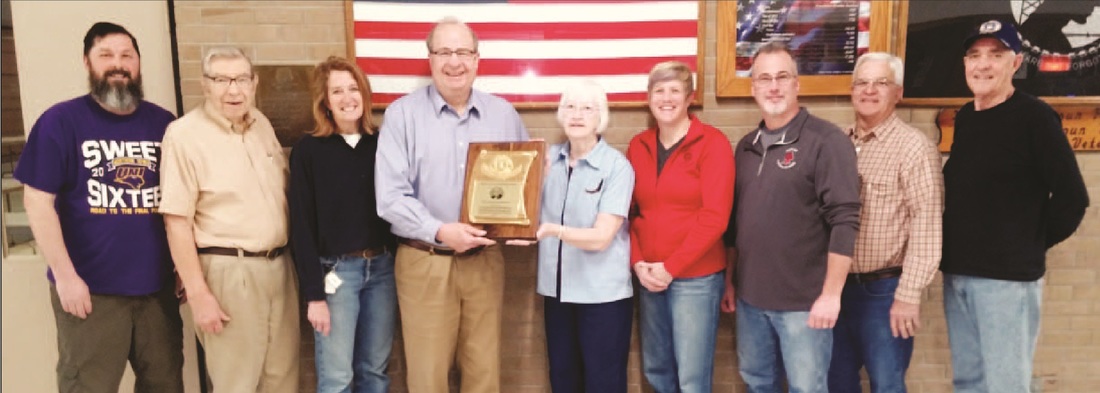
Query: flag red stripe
[[386, 98], [555, 67], [380, 63], [537, 31]]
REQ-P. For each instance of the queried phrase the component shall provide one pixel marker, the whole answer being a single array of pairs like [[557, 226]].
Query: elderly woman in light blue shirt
[[584, 250]]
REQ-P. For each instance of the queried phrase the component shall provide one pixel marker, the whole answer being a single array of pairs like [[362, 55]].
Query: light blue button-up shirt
[[602, 182], [420, 166]]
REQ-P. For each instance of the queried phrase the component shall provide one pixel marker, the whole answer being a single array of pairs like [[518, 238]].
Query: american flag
[[529, 49]]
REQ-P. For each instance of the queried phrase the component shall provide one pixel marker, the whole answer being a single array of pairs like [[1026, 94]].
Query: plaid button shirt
[[901, 224]]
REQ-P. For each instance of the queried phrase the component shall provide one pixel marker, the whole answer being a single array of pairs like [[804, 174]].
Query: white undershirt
[[352, 139]]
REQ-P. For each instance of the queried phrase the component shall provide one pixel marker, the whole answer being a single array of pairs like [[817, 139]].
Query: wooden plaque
[[503, 188], [1081, 124], [283, 96]]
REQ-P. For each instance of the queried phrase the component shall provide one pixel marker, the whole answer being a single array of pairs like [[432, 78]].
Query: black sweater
[[1012, 190], [332, 205]]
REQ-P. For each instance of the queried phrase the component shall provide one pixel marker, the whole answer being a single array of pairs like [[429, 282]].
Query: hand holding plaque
[[503, 188]]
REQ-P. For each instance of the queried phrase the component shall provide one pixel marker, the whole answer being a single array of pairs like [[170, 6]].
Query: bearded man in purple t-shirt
[[91, 170]]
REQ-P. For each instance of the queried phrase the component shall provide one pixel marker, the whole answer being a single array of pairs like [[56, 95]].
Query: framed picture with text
[[826, 37]]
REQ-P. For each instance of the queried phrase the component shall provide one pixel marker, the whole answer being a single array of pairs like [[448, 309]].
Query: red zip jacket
[[679, 217]]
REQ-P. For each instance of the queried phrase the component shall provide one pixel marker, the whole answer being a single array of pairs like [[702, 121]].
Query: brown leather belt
[[367, 253], [880, 274], [436, 250], [233, 252]]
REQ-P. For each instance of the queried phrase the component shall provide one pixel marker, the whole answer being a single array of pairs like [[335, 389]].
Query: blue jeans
[[363, 312], [679, 327], [992, 326], [588, 345], [770, 341], [862, 337]]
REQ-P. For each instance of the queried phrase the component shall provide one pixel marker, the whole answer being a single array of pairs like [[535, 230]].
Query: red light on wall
[[1054, 63]]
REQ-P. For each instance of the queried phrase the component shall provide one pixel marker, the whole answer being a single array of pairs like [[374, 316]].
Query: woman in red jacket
[[683, 194]]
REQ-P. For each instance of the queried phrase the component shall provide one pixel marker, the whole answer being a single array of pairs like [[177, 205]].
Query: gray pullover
[[794, 203]]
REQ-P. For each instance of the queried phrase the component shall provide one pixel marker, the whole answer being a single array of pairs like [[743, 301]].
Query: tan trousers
[[450, 308], [258, 349]]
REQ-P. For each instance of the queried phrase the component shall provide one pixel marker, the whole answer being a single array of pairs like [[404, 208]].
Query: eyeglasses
[[583, 109], [462, 53], [782, 79], [864, 84], [223, 82]]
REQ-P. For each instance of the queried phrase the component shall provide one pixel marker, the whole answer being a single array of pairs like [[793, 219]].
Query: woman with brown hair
[[342, 249]]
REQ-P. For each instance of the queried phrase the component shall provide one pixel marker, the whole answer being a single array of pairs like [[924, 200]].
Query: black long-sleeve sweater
[[332, 205], [1012, 190]]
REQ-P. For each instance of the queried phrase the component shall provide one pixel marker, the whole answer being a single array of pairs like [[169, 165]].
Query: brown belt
[[436, 250], [367, 253], [880, 274], [269, 254]]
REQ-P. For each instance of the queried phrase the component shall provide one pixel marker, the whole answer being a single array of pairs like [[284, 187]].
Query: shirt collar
[[594, 159], [793, 128], [695, 132], [214, 115], [472, 104], [877, 132]]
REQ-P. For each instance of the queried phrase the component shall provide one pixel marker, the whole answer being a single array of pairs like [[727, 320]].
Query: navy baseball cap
[[1003, 31]]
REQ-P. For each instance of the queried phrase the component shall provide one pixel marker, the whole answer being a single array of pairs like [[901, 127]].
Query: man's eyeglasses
[[223, 82], [782, 79], [463, 53], [864, 84]]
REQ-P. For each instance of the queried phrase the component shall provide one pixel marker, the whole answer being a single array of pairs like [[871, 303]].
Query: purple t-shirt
[[105, 171]]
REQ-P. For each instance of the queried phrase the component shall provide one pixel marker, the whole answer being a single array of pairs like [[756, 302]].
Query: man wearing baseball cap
[[1012, 191]]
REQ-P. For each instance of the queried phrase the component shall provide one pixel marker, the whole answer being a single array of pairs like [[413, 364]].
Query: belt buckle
[[431, 249], [272, 253]]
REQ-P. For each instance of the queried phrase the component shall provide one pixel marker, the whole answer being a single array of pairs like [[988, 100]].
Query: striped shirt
[[901, 223]]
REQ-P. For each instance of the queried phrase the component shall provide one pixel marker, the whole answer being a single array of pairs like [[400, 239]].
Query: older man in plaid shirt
[[899, 244]]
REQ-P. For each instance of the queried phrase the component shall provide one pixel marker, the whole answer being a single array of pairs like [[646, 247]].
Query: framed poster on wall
[[825, 36], [1061, 48], [529, 50]]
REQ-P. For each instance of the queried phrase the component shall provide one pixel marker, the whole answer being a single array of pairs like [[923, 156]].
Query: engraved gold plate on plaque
[[503, 187], [496, 190]]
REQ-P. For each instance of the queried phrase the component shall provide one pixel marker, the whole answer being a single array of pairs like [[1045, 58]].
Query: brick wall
[[305, 32], [12, 117], [12, 112], [270, 32]]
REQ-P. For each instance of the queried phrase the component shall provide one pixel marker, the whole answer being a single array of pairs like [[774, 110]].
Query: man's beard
[[777, 108], [118, 96]]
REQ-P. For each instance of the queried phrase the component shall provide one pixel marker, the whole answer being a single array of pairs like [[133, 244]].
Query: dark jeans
[[862, 338], [588, 345], [145, 330]]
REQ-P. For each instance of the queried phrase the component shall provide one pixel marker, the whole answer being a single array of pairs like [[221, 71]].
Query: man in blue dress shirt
[[450, 278]]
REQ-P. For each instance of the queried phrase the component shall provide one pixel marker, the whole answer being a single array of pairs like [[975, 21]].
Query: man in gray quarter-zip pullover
[[792, 233]]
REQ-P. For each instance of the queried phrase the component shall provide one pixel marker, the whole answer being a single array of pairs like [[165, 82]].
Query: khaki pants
[[450, 308], [257, 351], [146, 330]]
